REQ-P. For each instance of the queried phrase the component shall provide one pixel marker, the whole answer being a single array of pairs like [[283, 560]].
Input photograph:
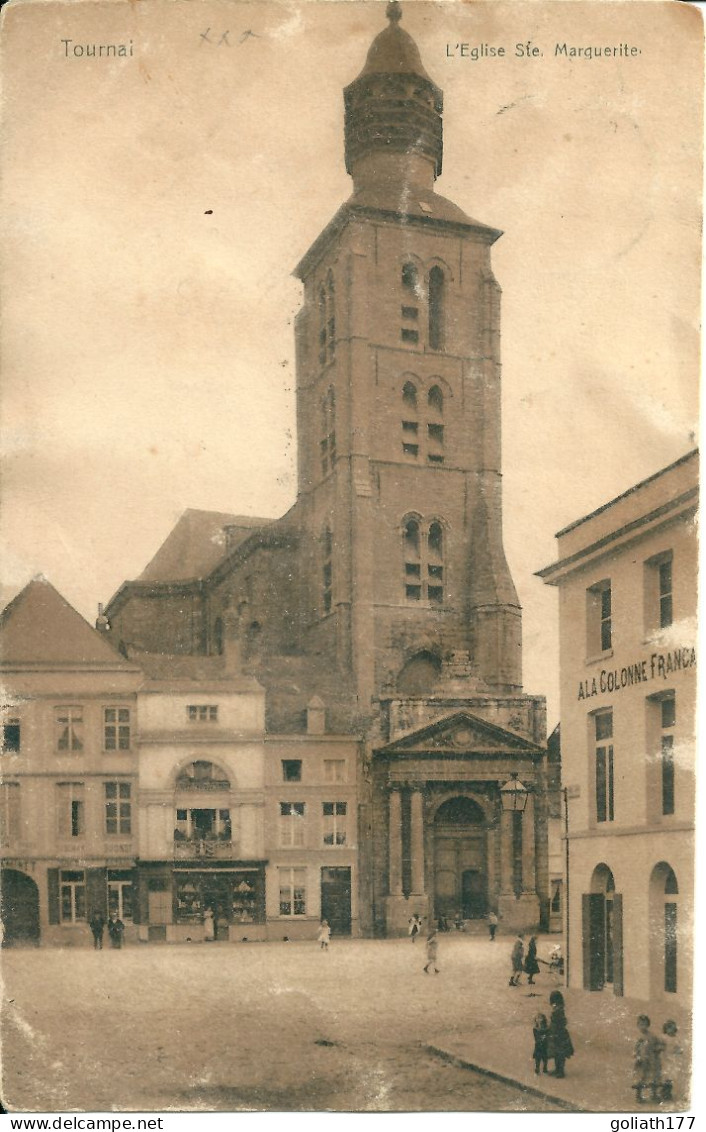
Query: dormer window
[[202, 713]]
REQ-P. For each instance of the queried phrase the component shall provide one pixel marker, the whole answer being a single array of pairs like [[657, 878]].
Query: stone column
[[506, 853], [395, 836], [529, 882], [417, 840]]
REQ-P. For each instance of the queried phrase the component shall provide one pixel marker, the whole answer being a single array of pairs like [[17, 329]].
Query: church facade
[[383, 597]]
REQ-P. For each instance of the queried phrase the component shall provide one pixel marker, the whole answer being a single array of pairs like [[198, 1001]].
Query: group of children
[[659, 1063]]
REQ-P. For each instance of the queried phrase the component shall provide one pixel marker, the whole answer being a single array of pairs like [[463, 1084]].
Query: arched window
[[436, 309], [435, 426], [327, 444], [330, 318], [410, 277], [424, 562], [218, 636], [419, 674], [322, 326], [410, 424], [327, 571], [664, 900], [410, 308]]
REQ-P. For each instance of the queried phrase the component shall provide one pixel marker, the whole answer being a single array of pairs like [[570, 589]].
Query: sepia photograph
[[348, 607]]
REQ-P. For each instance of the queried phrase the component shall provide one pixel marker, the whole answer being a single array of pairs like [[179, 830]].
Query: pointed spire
[[394, 11]]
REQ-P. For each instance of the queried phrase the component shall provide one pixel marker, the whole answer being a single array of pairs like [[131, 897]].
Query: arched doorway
[[602, 933], [460, 864], [19, 908], [664, 896]]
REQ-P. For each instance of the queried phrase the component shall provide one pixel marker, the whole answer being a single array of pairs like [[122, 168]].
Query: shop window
[[292, 892], [10, 737], [72, 896], [10, 815], [335, 817], [334, 770], [202, 713], [120, 895], [116, 729], [69, 728], [71, 818], [291, 770], [118, 808], [604, 769], [291, 824], [599, 616]]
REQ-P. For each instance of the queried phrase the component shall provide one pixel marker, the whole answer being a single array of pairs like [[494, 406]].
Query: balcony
[[204, 849]]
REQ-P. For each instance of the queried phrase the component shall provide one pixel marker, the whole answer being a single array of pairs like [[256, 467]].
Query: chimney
[[102, 622]]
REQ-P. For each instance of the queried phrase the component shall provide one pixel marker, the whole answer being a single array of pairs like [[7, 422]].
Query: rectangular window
[[69, 728], [334, 770], [116, 729], [665, 594], [410, 449], [604, 767], [291, 770], [292, 892], [410, 313], [11, 737], [72, 896], [410, 426], [668, 721], [599, 614], [413, 593], [70, 809], [118, 808], [335, 816], [291, 824], [202, 713], [120, 895], [409, 335], [10, 817]]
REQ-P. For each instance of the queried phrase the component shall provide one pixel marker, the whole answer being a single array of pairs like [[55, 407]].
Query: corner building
[[627, 580], [384, 593]]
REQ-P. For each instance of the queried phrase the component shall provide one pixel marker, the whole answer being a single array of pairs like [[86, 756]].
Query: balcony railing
[[197, 848]]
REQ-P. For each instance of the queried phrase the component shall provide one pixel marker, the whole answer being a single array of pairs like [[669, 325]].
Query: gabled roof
[[190, 673], [39, 627], [197, 543], [462, 734]]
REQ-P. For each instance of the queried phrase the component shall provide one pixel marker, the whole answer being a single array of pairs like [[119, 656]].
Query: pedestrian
[[432, 952], [115, 930], [324, 935], [672, 1064], [492, 924], [96, 924], [540, 1030], [209, 931], [647, 1075], [560, 1047], [516, 958], [531, 965], [414, 927]]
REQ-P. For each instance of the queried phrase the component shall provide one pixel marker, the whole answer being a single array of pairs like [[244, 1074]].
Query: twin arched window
[[413, 294], [327, 321], [423, 545], [423, 427]]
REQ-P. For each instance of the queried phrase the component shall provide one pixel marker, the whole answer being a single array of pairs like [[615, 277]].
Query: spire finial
[[394, 11]]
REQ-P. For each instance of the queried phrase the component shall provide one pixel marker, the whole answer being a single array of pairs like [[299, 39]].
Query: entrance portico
[[453, 852]]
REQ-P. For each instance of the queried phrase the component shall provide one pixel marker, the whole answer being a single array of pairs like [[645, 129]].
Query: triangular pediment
[[459, 734]]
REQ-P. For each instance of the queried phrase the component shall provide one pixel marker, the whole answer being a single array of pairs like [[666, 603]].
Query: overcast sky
[[155, 206]]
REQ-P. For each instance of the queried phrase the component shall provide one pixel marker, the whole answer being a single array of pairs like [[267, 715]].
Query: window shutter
[[53, 895], [618, 986], [137, 917]]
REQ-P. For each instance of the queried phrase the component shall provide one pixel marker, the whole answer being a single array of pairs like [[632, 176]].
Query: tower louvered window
[[328, 432], [327, 320], [327, 571], [423, 561], [410, 310], [410, 421], [437, 297]]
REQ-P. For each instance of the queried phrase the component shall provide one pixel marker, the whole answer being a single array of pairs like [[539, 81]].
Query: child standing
[[540, 1029], [672, 1064], [432, 952], [324, 935], [648, 1067]]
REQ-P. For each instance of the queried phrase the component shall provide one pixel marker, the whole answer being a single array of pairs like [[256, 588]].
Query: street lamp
[[514, 795]]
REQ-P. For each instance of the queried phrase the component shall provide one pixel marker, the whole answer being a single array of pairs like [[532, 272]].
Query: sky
[[155, 205]]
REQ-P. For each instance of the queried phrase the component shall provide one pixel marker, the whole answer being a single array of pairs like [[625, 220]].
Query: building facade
[[627, 581]]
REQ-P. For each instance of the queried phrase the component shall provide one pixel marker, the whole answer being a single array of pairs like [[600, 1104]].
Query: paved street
[[250, 1026]]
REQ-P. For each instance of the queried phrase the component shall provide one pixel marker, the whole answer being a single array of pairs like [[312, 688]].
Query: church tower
[[398, 362]]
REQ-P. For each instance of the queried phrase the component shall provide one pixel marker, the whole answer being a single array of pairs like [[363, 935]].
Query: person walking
[[560, 1047], [432, 952], [647, 1074], [540, 1032], [97, 924], [492, 924], [324, 935], [531, 965], [115, 930], [516, 958]]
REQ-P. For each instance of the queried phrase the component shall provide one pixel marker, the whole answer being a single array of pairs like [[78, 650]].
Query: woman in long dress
[[560, 1045]]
